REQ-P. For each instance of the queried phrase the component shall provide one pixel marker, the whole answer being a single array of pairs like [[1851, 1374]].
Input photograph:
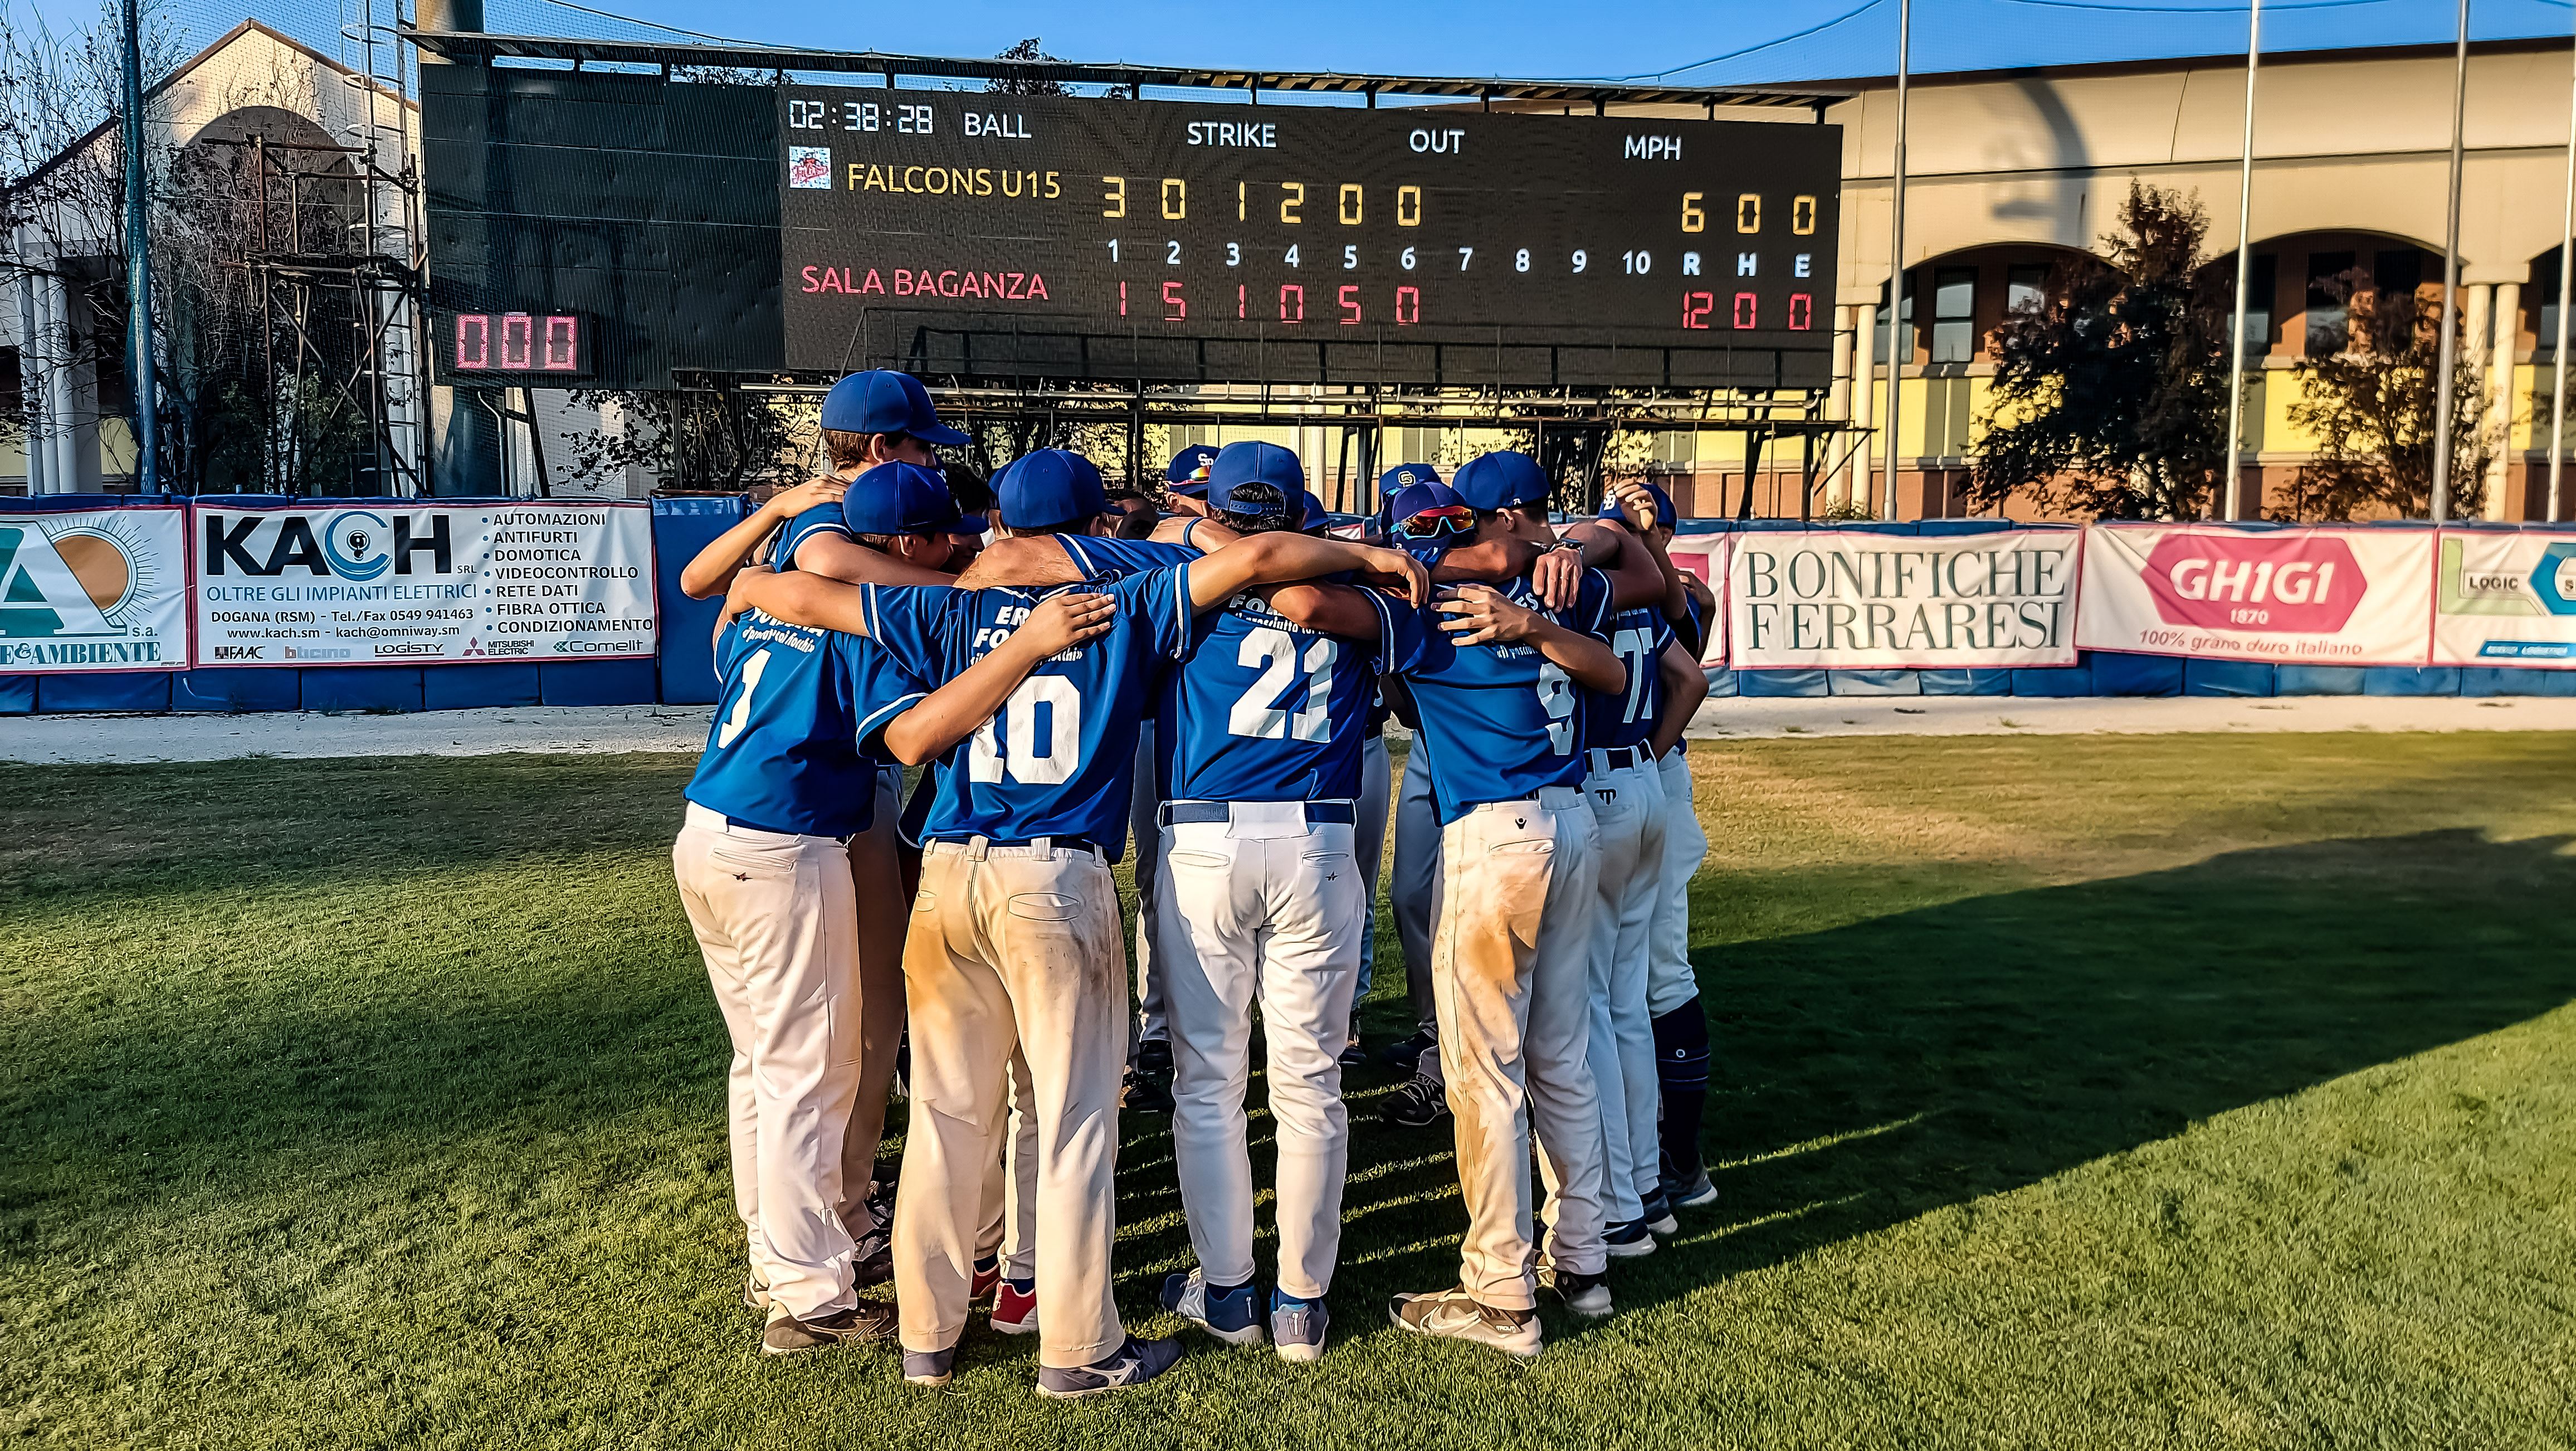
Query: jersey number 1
[[740, 716]]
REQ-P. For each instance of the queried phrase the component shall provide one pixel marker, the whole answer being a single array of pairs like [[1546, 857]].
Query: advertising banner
[[1705, 555], [93, 590], [2317, 595], [1844, 599], [399, 582], [2505, 599]]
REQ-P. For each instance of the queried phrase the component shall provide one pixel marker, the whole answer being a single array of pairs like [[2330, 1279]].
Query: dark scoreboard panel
[[960, 232]]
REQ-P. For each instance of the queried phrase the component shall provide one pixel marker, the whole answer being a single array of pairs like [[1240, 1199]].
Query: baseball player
[[1498, 693], [1261, 898], [763, 873], [1672, 988], [1015, 933]]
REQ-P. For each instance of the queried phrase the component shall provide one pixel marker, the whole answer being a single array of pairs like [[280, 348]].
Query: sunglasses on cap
[[1435, 523]]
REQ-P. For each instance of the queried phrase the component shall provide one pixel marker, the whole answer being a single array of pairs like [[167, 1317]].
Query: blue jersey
[[821, 520], [795, 706], [1264, 711], [1627, 717], [1102, 558], [1059, 759], [1499, 721]]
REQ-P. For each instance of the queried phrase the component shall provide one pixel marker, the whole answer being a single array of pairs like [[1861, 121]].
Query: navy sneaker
[[1417, 1103], [1229, 1315], [1658, 1215], [929, 1367], [1353, 1055], [1297, 1327], [1699, 1193], [1136, 1362], [785, 1334], [1628, 1240], [1405, 1053]]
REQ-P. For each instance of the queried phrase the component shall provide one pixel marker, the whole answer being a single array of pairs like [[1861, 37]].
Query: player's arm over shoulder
[[1331, 609]]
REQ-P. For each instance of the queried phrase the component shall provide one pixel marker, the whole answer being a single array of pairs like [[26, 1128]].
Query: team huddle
[[1073, 668]]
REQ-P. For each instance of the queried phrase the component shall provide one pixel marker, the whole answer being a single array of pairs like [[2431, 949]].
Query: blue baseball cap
[[1403, 474], [1449, 514], [971, 524], [1664, 514], [899, 498], [1501, 480], [1316, 514], [1049, 487], [884, 401], [1188, 472], [1264, 464]]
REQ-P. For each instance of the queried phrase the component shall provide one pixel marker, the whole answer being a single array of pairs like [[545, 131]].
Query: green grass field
[[2075, 1091]]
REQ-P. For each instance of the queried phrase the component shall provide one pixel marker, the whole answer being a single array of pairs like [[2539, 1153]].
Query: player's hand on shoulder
[[1396, 570], [1063, 621], [1557, 575], [812, 494], [1477, 614]]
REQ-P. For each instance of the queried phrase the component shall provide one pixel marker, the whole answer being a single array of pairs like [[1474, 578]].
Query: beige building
[[2008, 171]]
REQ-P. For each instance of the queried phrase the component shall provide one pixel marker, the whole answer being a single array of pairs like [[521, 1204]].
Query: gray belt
[[1318, 813]]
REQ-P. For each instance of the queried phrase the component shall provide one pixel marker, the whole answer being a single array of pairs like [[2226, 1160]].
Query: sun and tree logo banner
[[1854, 599], [93, 590]]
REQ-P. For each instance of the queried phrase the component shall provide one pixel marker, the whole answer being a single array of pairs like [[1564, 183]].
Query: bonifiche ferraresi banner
[[1848, 599]]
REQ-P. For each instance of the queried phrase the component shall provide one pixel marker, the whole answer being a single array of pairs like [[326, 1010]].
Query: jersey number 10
[[989, 757]]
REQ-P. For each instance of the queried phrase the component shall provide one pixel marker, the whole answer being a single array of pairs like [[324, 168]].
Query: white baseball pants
[[1414, 890], [1628, 808], [1509, 981], [1262, 907], [1670, 982], [1012, 947], [777, 923], [1011, 1185]]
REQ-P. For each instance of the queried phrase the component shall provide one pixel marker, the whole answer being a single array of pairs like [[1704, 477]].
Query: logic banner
[[1844, 599], [394, 582], [2315, 595], [2505, 599], [93, 590], [1705, 555]]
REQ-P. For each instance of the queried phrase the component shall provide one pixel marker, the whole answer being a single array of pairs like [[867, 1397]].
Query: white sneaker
[[1456, 1315]]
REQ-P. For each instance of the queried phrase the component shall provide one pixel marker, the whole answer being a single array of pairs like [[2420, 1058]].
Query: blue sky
[[1710, 41]]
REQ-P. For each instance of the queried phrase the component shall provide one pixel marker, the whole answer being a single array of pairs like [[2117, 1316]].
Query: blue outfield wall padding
[[59, 693], [595, 682], [1780, 683], [237, 690], [2317, 680], [1931, 528], [468, 687], [1966, 682], [362, 687], [2054, 681], [1721, 682], [2228, 677], [2118, 673], [2410, 680], [1873, 682], [682, 527], [17, 694], [2515, 680]]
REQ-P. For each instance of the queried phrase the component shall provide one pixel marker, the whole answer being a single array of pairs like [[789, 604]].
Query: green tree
[[2371, 406], [2110, 394]]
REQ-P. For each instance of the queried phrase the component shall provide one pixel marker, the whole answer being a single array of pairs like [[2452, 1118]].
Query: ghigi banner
[[2505, 599], [2312, 595], [397, 582], [93, 590], [1854, 599]]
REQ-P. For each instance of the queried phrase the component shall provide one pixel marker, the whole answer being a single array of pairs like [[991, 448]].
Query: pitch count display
[[969, 232]]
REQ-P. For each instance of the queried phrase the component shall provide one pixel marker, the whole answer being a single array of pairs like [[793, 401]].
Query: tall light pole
[[138, 269], [1896, 248], [2558, 346], [2442, 399], [2244, 276]]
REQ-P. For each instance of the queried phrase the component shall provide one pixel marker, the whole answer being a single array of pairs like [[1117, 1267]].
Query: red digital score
[[518, 342]]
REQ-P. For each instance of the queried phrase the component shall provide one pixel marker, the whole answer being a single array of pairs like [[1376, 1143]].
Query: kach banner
[[2315, 595], [93, 590], [394, 582], [2505, 599], [1846, 599]]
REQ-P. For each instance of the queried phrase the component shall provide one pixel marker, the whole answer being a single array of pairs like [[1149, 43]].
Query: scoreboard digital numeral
[[495, 343]]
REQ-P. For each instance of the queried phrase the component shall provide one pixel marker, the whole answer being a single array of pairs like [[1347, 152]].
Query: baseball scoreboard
[[619, 227]]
